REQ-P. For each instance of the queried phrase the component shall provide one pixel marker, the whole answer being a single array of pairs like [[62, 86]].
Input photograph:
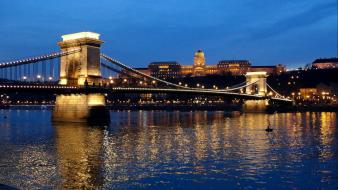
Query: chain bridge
[[80, 75]]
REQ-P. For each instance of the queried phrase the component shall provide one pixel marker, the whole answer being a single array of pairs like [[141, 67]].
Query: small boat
[[268, 129]]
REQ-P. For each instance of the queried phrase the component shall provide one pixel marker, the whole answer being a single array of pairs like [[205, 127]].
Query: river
[[170, 150]]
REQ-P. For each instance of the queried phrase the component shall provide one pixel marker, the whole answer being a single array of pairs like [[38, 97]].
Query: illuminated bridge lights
[[147, 78], [38, 58]]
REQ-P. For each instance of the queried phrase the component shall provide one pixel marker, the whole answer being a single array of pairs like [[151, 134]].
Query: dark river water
[[170, 150]]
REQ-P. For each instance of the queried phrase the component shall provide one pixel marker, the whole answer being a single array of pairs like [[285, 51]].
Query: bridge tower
[[76, 68], [258, 88]]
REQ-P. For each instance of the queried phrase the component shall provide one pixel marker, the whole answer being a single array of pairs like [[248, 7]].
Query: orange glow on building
[[172, 69]]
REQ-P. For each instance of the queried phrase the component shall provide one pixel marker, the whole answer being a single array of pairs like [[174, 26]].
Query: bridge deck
[[63, 89]]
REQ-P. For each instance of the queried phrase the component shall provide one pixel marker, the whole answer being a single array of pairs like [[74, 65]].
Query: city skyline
[[292, 33]]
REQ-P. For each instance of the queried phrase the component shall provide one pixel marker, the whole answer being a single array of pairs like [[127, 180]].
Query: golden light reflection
[[328, 123], [150, 142], [143, 145], [79, 156]]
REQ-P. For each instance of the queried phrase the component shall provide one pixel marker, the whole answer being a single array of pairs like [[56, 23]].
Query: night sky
[[136, 32]]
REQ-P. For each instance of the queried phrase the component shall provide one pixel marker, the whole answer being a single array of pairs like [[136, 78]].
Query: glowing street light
[[50, 78], [38, 76], [24, 77]]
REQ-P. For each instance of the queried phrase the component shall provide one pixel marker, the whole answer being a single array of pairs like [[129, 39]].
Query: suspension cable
[[163, 81], [38, 58], [240, 87], [277, 94], [140, 73]]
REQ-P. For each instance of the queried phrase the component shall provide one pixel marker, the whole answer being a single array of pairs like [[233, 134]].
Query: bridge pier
[[89, 108], [255, 106]]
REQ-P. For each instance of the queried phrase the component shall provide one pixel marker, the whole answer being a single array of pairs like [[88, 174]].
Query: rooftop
[[261, 66], [80, 35], [234, 61], [326, 60]]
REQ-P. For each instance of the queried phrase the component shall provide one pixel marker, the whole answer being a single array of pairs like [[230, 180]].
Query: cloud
[[300, 20]]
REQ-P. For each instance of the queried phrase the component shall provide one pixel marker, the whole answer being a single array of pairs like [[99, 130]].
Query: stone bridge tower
[[75, 69], [83, 65], [259, 88]]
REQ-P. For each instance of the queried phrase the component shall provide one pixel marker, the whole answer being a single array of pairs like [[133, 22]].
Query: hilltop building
[[325, 63], [172, 69]]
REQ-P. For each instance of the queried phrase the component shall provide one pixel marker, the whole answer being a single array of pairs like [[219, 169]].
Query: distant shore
[[271, 109]]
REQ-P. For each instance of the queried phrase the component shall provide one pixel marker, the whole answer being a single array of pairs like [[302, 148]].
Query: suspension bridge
[[80, 74]]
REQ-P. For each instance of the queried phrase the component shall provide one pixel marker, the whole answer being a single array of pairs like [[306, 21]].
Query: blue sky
[[266, 32]]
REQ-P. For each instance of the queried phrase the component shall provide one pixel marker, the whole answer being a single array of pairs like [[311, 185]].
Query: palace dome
[[199, 53]]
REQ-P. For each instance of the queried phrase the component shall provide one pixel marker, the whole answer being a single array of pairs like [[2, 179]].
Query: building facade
[[172, 69], [325, 63], [199, 68], [235, 67], [165, 70]]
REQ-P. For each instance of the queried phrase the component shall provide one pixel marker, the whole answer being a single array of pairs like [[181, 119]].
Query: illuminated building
[[172, 69], [199, 63], [165, 70], [235, 67], [199, 68], [306, 93], [325, 63]]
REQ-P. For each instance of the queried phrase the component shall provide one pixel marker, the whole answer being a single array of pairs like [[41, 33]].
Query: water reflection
[[79, 156], [158, 149]]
